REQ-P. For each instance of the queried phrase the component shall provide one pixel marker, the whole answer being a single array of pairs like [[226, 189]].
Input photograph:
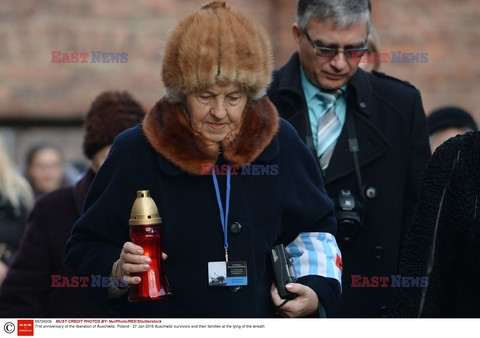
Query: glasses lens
[[326, 52]]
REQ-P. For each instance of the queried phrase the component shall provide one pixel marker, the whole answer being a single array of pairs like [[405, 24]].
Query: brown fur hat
[[216, 45], [110, 113]]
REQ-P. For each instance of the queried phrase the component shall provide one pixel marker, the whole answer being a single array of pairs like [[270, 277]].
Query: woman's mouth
[[216, 126]]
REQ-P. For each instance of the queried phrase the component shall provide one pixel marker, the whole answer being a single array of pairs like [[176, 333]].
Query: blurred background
[[45, 101]]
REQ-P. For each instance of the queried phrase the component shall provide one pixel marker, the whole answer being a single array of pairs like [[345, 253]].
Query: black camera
[[349, 216], [284, 271]]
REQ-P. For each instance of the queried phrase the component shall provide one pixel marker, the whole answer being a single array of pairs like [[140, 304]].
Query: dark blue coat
[[271, 209]]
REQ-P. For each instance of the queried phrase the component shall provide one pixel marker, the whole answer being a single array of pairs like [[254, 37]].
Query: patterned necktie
[[329, 127]]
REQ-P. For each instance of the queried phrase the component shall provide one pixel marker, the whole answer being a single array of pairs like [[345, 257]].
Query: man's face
[[329, 73]]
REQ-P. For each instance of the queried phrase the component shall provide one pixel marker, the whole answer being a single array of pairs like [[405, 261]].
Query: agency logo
[[25, 327], [84, 57], [94, 281], [247, 169], [392, 57], [394, 281]]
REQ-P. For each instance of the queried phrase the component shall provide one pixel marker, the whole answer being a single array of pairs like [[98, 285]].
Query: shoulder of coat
[[391, 78]]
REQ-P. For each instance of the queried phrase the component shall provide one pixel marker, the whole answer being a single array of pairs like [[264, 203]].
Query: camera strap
[[354, 149]]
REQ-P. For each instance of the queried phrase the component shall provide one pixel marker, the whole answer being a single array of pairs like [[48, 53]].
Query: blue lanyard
[[223, 217]]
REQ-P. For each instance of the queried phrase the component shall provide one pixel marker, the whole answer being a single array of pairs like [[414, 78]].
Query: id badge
[[233, 273]]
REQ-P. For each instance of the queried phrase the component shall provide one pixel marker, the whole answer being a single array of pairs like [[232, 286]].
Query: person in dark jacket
[[215, 124], [369, 134], [16, 200], [442, 247], [31, 287]]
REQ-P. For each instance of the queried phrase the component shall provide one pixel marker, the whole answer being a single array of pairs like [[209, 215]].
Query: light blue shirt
[[316, 107]]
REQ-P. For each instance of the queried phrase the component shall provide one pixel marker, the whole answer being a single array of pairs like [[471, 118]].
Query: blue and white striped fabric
[[316, 253]]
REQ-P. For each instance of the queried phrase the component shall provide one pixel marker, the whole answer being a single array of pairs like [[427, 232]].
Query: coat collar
[[169, 133], [291, 102]]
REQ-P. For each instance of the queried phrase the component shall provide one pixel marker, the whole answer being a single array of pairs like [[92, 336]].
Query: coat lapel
[[290, 101], [371, 142]]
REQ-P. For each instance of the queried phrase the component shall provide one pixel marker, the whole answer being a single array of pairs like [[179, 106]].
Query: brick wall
[[449, 31], [31, 86]]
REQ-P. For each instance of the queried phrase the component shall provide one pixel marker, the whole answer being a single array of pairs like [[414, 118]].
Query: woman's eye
[[204, 98], [234, 98]]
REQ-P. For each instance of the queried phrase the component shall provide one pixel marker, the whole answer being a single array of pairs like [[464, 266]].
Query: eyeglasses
[[331, 52]]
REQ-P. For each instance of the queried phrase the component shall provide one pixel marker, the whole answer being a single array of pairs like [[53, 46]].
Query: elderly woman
[[216, 70]]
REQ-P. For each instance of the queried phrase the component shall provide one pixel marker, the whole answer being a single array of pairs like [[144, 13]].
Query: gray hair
[[343, 13]]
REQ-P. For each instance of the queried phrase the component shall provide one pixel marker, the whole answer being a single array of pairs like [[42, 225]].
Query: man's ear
[[297, 34]]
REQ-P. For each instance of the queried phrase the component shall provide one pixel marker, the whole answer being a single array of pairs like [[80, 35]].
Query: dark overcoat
[[271, 208], [27, 290], [393, 138], [443, 245], [12, 226]]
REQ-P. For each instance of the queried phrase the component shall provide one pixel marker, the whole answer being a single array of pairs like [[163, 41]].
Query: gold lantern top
[[144, 210]]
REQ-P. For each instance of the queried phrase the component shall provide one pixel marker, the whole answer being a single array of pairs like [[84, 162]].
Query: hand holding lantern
[[145, 232]]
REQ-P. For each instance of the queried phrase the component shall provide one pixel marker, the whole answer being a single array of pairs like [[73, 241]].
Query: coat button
[[383, 311], [235, 228], [371, 192], [363, 105], [378, 252]]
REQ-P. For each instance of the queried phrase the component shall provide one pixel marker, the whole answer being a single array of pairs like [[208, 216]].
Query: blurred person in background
[[373, 44], [16, 200], [447, 122], [372, 59], [28, 291], [44, 168]]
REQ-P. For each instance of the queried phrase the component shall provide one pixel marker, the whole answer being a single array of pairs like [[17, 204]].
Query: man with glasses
[[369, 134]]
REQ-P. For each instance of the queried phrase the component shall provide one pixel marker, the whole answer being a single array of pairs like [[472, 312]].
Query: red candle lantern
[[145, 231]]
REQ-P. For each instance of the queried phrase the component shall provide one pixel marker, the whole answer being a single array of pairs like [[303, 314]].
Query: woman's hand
[[304, 304], [131, 261]]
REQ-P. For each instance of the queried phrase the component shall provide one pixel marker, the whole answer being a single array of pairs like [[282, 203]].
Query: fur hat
[[110, 113], [216, 44]]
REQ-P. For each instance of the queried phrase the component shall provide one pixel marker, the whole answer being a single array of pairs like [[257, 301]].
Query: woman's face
[[46, 170], [216, 111]]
